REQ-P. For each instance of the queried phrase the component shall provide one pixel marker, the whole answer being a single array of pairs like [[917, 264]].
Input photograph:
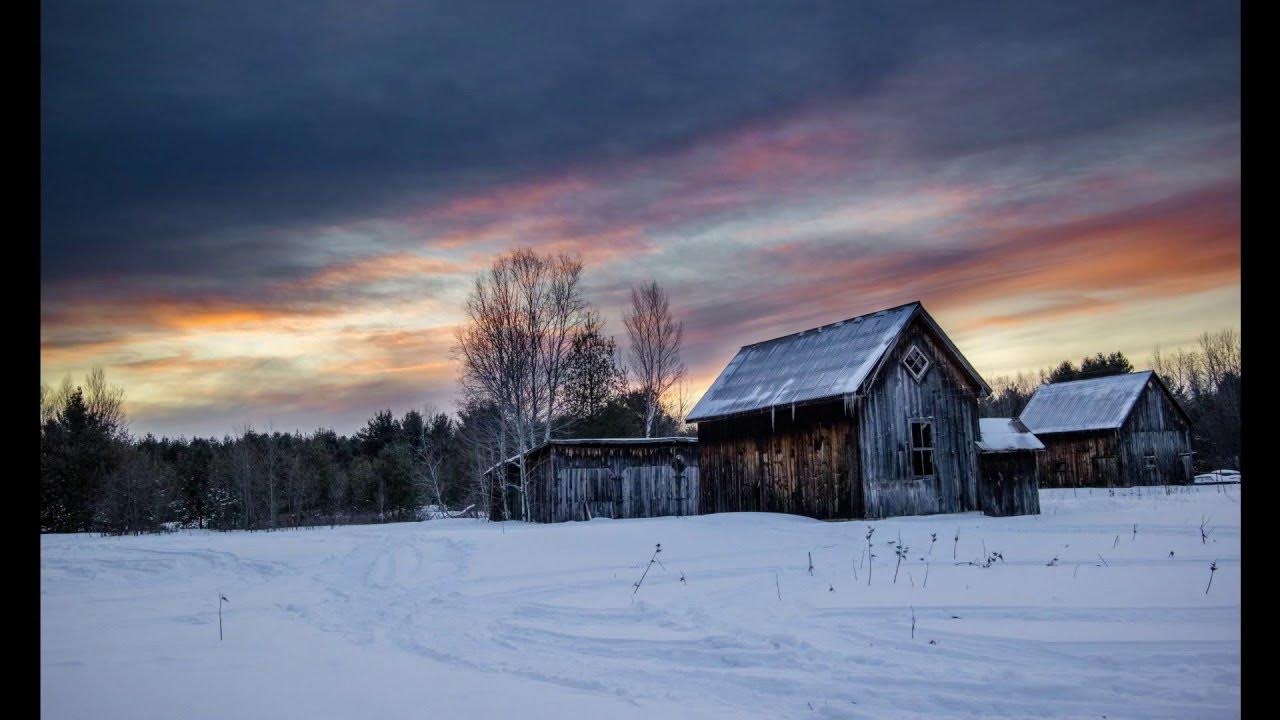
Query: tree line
[[1205, 380], [536, 362]]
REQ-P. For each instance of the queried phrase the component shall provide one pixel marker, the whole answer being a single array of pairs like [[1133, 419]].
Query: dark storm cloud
[[191, 139], [169, 122]]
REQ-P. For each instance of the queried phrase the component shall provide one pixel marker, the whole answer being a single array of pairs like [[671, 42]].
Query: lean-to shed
[[1008, 468], [580, 479], [1112, 431], [867, 417]]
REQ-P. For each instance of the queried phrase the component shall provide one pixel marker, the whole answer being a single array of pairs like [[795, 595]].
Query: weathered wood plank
[[580, 481], [1152, 447], [1010, 483], [851, 459], [945, 397]]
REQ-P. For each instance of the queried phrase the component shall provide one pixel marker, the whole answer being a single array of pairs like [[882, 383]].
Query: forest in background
[[536, 363], [1206, 381]]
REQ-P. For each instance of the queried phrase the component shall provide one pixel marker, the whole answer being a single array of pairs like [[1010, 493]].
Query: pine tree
[[78, 450], [1101, 365], [1066, 372]]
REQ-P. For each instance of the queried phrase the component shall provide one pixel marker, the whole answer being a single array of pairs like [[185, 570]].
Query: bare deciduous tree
[[655, 347], [46, 407], [430, 452], [522, 315], [101, 399], [1221, 353], [104, 400], [53, 400], [1009, 394], [1180, 370], [1207, 381]]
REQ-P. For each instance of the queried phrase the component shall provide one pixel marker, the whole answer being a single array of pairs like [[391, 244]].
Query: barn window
[[916, 362], [1150, 460], [921, 448]]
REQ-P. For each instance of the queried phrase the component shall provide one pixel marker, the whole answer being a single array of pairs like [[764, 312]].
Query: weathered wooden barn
[[1113, 431], [581, 479], [1008, 468], [868, 417]]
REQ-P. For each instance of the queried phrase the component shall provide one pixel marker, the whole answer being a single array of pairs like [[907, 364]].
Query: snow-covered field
[[459, 618]]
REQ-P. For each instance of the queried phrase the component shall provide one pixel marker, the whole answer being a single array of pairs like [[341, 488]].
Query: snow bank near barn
[[459, 618]]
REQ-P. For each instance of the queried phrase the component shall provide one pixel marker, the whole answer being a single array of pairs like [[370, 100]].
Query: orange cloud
[[379, 267]]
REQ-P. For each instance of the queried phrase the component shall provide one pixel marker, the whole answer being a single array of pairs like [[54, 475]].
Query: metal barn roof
[[825, 362], [1095, 404], [1006, 435]]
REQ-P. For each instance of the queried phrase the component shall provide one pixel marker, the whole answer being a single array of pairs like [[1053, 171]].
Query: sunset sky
[[269, 213]]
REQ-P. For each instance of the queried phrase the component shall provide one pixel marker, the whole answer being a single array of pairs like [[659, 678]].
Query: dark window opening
[[1060, 470], [921, 448]]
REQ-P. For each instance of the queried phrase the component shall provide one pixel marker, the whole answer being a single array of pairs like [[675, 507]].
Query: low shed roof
[[672, 440], [1082, 405], [1006, 435]]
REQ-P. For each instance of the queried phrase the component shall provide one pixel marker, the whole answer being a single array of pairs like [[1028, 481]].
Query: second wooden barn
[[1113, 431], [581, 479], [868, 417]]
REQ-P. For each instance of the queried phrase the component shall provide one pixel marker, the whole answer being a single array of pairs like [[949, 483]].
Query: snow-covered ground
[[460, 618]]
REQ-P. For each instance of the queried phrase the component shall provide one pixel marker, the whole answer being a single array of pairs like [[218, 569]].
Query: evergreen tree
[[413, 429], [396, 496], [78, 450], [1101, 365], [382, 430], [135, 496], [1065, 372], [594, 376]]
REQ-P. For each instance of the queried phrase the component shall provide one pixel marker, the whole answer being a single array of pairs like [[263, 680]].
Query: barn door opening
[[1151, 467], [1188, 467], [1061, 474]]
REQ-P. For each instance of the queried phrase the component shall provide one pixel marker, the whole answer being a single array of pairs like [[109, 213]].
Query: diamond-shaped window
[[916, 362]]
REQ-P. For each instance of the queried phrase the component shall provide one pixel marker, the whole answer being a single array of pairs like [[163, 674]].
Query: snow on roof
[[823, 362], [621, 441], [816, 364], [599, 441], [1006, 435], [1095, 404]]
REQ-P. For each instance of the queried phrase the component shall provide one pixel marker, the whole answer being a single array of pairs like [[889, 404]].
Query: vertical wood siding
[[1117, 458], [1009, 483], [1155, 426], [837, 460], [1080, 460], [774, 462], [945, 396], [579, 482]]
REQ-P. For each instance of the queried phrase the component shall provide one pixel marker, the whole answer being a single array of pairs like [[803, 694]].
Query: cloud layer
[[257, 215]]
